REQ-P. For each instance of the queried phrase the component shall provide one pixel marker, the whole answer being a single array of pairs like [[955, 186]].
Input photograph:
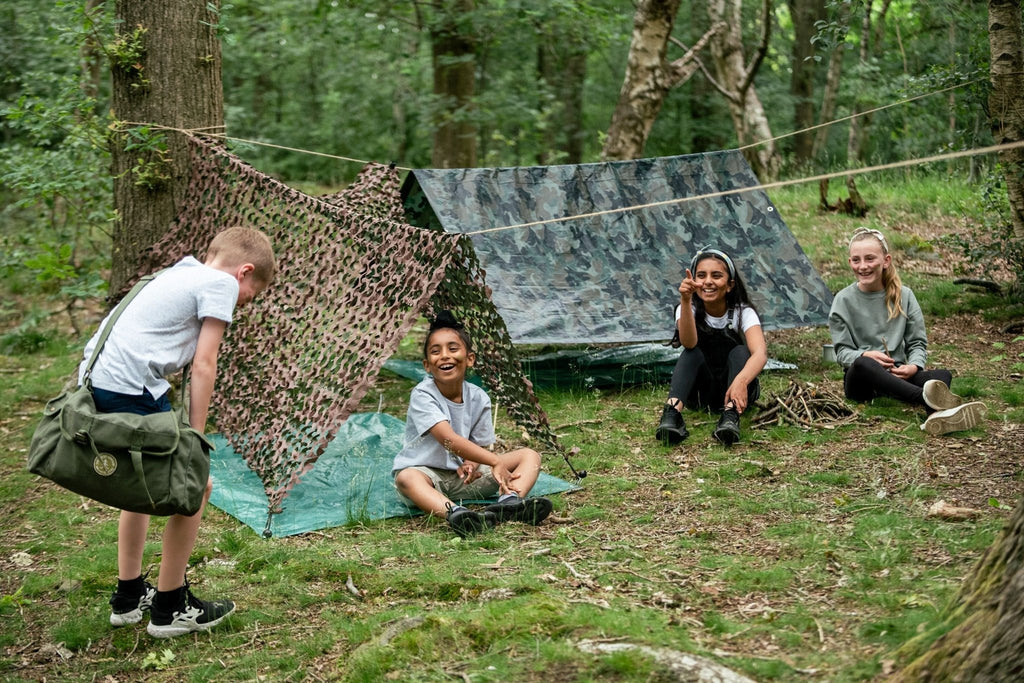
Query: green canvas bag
[[155, 464]]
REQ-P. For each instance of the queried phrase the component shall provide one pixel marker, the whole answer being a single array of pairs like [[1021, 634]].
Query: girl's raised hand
[[688, 285]]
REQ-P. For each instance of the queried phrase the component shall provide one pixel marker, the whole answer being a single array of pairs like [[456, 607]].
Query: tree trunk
[[1006, 107], [983, 633], [805, 14], [735, 80], [562, 65], [166, 70], [859, 123], [454, 65], [571, 94], [91, 53], [834, 74], [644, 87]]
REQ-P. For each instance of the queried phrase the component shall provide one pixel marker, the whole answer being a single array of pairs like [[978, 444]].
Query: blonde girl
[[878, 331]]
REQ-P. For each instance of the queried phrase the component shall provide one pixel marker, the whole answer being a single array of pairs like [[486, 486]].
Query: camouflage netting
[[353, 279], [615, 277]]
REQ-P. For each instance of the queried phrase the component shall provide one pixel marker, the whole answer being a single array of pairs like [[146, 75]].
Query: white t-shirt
[[158, 332], [470, 419], [748, 319]]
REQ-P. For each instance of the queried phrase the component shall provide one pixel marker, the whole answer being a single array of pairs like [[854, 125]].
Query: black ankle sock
[[131, 587], [166, 600]]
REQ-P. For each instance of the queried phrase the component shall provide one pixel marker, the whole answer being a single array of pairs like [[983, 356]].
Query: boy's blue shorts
[[143, 404]]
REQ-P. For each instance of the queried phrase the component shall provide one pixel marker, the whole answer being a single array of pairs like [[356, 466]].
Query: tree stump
[[983, 637]]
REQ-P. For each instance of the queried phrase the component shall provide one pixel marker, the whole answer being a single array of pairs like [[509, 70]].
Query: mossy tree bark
[[166, 71], [805, 14], [1005, 103], [453, 45], [984, 628]]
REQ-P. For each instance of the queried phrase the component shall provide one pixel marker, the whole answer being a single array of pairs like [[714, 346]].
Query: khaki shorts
[[449, 483]]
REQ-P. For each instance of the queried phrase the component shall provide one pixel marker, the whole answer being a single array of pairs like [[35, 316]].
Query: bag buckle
[[81, 437]]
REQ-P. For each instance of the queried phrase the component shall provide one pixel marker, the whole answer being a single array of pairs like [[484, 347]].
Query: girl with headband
[[723, 349], [878, 331]]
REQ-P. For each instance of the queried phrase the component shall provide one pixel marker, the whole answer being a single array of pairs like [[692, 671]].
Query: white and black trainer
[[188, 615], [127, 609]]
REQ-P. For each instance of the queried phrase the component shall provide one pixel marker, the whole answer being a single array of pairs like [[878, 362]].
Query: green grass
[[795, 550]]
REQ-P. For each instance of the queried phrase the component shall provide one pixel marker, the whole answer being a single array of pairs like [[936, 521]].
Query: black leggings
[[866, 378], [694, 384]]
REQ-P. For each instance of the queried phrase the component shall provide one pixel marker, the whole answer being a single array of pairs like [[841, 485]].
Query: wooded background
[[523, 82], [89, 89]]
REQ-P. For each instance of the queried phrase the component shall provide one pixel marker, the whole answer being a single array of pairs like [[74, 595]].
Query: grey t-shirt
[[428, 406], [158, 332]]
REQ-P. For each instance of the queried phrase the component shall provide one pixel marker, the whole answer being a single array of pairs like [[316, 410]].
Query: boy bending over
[[177, 319]]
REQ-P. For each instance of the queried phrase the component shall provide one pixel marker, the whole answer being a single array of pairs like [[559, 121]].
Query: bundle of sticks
[[805, 405]]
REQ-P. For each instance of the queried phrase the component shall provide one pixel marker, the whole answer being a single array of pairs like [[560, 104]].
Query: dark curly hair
[[444, 320]]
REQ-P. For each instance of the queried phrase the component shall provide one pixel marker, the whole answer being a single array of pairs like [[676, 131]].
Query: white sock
[[502, 499]]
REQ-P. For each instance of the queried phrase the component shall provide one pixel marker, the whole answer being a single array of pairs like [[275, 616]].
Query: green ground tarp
[[351, 482], [612, 368], [614, 277]]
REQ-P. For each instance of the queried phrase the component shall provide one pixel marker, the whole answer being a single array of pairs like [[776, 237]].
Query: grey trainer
[[190, 614], [964, 416], [938, 396]]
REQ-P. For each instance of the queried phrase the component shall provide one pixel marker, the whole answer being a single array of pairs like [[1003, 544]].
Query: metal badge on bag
[[104, 464]]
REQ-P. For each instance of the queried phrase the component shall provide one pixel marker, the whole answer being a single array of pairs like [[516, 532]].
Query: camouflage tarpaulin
[[615, 277], [352, 282]]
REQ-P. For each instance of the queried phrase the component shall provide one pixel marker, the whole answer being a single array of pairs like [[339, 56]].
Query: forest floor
[[797, 554]]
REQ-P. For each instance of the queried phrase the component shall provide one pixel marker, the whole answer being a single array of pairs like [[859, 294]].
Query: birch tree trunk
[[1006, 101], [649, 76], [644, 87], [735, 80], [166, 70]]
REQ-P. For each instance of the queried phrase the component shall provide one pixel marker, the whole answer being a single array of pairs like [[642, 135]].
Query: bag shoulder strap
[[114, 316]]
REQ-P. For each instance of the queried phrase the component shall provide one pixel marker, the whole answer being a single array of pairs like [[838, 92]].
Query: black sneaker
[[190, 614], [516, 509], [127, 609], [672, 429], [728, 429], [466, 522]]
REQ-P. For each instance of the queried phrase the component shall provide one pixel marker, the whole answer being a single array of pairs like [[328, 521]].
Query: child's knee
[[409, 479], [526, 457]]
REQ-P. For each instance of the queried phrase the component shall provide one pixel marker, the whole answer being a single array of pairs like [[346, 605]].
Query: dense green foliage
[[353, 78]]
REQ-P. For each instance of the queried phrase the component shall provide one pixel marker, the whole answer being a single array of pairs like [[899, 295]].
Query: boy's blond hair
[[237, 245]]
